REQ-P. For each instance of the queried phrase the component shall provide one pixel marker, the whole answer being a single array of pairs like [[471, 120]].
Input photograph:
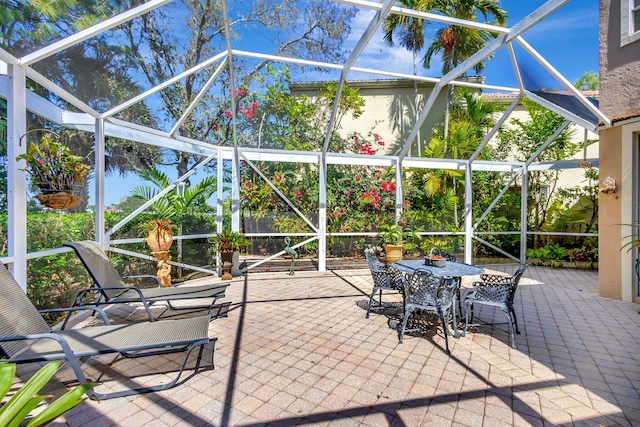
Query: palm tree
[[177, 205], [458, 43], [471, 117]]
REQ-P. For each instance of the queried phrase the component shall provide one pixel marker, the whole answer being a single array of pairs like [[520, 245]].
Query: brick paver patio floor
[[297, 350]]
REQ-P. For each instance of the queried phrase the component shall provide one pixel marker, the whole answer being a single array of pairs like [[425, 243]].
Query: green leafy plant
[[634, 239], [582, 254], [51, 165], [391, 235], [18, 407], [228, 240]]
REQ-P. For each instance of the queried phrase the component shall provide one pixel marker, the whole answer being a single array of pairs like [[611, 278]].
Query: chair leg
[[373, 293], [407, 313], [512, 336], [515, 319], [468, 310], [446, 330]]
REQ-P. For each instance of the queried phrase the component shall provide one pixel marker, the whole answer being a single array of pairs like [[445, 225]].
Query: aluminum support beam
[[99, 152], [544, 146], [198, 97], [220, 191], [277, 58], [523, 214], [516, 67], [495, 200], [49, 85], [94, 30], [399, 191], [151, 201], [281, 194], [468, 214], [17, 179], [496, 128], [163, 85], [322, 215]]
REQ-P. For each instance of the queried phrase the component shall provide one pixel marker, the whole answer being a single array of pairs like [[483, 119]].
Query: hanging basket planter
[[54, 171], [60, 200]]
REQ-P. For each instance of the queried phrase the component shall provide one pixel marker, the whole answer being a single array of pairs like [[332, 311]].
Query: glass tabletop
[[451, 269]]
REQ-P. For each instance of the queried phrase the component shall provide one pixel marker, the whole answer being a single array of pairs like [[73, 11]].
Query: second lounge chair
[[110, 287]]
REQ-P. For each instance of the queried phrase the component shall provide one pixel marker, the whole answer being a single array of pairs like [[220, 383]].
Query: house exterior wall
[[619, 66], [389, 111], [620, 101]]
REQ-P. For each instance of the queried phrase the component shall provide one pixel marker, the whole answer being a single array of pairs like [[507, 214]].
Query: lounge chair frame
[[25, 337], [110, 287]]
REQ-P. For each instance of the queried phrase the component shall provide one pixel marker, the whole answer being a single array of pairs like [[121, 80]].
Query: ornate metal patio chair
[[384, 279], [425, 291], [25, 337], [497, 291], [110, 287]]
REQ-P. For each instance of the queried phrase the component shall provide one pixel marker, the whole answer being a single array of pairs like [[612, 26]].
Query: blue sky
[[568, 39]]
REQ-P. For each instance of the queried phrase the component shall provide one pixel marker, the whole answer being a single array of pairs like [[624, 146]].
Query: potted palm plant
[[227, 243], [55, 173]]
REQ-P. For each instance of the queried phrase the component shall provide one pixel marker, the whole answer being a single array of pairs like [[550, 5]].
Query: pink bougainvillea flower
[[337, 215], [228, 114], [298, 193]]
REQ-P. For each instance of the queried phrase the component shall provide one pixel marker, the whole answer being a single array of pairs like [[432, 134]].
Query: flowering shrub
[[52, 166]]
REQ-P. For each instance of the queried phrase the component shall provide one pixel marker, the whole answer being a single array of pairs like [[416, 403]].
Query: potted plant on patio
[[582, 257], [391, 237], [54, 171], [227, 244]]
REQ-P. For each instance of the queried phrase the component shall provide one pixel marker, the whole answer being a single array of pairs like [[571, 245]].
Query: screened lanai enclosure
[[185, 109]]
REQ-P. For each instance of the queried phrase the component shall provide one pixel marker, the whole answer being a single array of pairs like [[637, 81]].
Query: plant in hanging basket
[[54, 171]]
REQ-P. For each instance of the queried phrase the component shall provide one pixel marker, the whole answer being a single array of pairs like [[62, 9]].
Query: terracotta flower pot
[[159, 241], [393, 253]]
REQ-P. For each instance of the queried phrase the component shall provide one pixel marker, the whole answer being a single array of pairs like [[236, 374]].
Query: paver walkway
[[297, 350]]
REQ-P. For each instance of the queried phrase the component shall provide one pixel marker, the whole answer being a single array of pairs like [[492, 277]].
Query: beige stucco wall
[[619, 66], [620, 101], [610, 206], [389, 111]]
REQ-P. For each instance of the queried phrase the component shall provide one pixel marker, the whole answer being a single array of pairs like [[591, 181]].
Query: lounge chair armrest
[[95, 309], [52, 336], [145, 276]]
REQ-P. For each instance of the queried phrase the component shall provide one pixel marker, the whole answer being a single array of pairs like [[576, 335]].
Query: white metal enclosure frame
[[20, 100]]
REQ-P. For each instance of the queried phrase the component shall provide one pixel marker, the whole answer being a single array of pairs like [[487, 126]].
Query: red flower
[[216, 128], [228, 114], [357, 177], [388, 187], [441, 191], [337, 215], [298, 193]]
